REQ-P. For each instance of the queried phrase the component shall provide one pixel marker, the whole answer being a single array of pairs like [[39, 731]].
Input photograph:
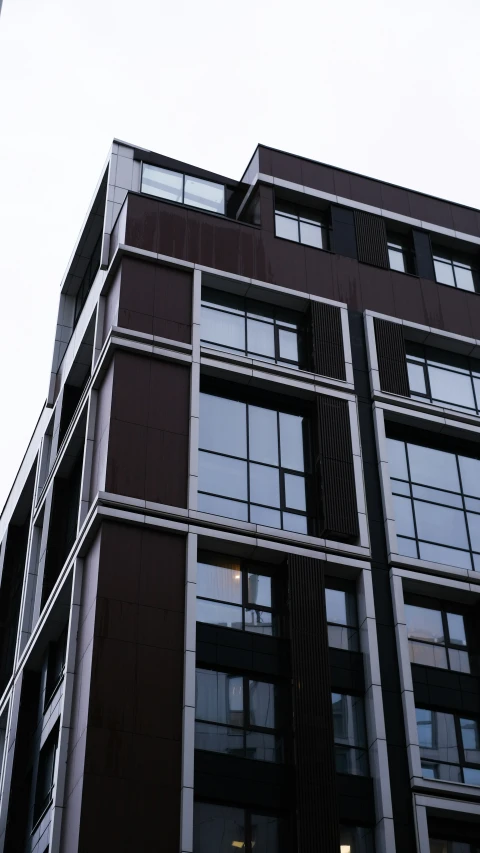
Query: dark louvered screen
[[327, 340], [371, 239], [317, 805], [335, 472], [391, 357]]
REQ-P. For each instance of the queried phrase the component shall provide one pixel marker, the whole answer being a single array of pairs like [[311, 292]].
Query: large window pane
[[440, 524], [259, 590], [219, 739], [295, 523], [162, 183], [263, 435], [262, 704], [224, 584], [223, 328], [444, 272], [446, 556], [456, 629], [219, 697], [424, 623], [470, 474], [348, 719], [260, 338], [218, 829], [222, 475], [403, 516], [437, 496], [464, 278], [451, 387], [397, 460], [295, 497], [396, 258], [427, 654], [286, 227], [226, 615], [311, 234], [436, 735], [416, 378], [336, 601], [259, 622], [291, 441], [288, 343], [264, 485], [205, 194], [262, 515], [223, 425], [433, 467], [222, 506]]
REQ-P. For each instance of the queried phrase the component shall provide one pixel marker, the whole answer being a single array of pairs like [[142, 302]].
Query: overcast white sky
[[382, 87]]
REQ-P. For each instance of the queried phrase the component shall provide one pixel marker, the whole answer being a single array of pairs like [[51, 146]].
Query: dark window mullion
[[411, 500]]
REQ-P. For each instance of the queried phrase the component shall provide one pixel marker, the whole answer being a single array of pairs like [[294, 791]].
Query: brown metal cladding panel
[[371, 239], [317, 805], [142, 225], [327, 340], [391, 356], [335, 470]]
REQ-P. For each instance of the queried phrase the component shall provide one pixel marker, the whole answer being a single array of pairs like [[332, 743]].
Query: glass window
[[396, 257], [444, 378], [45, 776], [349, 734], [436, 519], [175, 186], [250, 328], [236, 715], [271, 489], [218, 829], [341, 619], [162, 182], [454, 272], [204, 194], [437, 638], [232, 595], [448, 746], [301, 225]]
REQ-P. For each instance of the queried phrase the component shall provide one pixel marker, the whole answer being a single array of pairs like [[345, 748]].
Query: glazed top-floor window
[[400, 252], [456, 270], [437, 637], [301, 224], [183, 189], [436, 496], [251, 328], [235, 595], [444, 378]]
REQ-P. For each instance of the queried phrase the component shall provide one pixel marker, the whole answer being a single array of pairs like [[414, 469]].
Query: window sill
[[424, 410]]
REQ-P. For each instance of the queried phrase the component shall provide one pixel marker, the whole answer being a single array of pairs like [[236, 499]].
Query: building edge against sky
[[240, 563]]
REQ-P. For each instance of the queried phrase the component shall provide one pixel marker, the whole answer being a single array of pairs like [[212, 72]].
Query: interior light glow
[[237, 577], [345, 848], [241, 844]]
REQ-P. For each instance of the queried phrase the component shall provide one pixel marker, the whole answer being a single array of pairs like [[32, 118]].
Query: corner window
[[449, 746], [225, 829], [302, 225], [454, 271], [234, 596], [349, 734], [183, 189], [437, 638], [341, 618], [237, 715], [443, 378], [436, 496], [253, 464], [251, 328]]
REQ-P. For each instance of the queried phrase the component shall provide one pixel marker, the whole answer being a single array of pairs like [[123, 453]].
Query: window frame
[[462, 763], [364, 758], [414, 601], [277, 732], [399, 243], [424, 361], [184, 176], [246, 567], [299, 214], [445, 256], [353, 638], [277, 323], [306, 474]]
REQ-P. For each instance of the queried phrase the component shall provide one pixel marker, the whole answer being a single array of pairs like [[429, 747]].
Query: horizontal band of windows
[[295, 523], [256, 745], [183, 189]]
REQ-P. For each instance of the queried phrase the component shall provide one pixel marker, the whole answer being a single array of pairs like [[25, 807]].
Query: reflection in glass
[[291, 441], [286, 227], [288, 343], [261, 338], [204, 194], [295, 492], [223, 328], [216, 613], [416, 378], [222, 583], [222, 475], [162, 183], [444, 272], [349, 734], [259, 590], [432, 467], [262, 434], [218, 829], [451, 387], [424, 623], [440, 524], [264, 485], [223, 425]]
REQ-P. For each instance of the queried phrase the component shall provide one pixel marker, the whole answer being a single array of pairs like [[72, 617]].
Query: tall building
[[240, 563]]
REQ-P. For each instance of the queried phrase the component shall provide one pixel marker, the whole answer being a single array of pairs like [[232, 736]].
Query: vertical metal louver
[[391, 357], [317, 804], [371, 239], [335, 471], [327, 340]]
